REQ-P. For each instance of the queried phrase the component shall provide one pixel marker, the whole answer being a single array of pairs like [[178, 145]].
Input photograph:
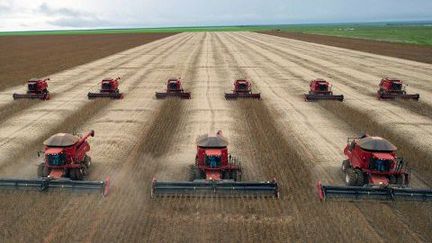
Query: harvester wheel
[[360, 177], [76, 174], [42, 170], [87, 161], [400, 180], [345, 165], [350, 177]]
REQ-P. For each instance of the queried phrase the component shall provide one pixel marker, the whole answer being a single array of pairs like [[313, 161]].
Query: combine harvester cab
[[373, 171], [36, 89], [321, 90], [390, 88], [215, 174], [109, 89], [173, 89], [242, 89], [65, 165]]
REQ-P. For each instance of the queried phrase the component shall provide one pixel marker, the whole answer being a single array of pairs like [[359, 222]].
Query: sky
[[20, 15]]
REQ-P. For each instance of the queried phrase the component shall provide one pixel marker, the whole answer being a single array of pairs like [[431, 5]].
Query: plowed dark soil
[[405, 51], [24, 57]]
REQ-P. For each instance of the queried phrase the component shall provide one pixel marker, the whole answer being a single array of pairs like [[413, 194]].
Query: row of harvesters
[[389, 88], [242, 89], [373, 170], [215, 172], [38, 89]]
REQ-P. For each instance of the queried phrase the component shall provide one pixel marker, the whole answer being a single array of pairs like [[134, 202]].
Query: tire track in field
[[389, 231]]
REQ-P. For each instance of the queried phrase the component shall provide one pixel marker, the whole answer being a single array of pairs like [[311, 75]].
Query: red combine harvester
[[374, 171], [36, 89], [109, 89], [65, 165], [173, 89], [390, 88], [321, 90], [242, 89], [215, 173]]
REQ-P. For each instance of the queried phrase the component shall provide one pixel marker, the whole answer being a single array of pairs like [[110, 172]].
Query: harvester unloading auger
[[65, 166], [373, 171], [215, 173]]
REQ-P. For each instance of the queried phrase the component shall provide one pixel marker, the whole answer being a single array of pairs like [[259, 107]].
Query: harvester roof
[[212, 142], [376, 144], [61, 140]]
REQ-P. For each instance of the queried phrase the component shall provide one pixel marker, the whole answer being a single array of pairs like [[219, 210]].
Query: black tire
[[346, 165], [400, 180], [87, 161], [350, 177], [76, 174], [42, 170], [360, 177]]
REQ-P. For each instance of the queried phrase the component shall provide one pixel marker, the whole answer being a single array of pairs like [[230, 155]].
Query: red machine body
[[213, 161], [36, 89], [320, 89], [174, 89], [390, 88], [109, 89], [242, 89], [373, 160], [66, 156]]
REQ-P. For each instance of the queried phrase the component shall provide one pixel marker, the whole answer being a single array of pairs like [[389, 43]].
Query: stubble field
[[280, 136]]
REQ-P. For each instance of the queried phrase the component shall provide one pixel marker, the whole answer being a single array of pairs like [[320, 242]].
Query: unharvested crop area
[[280, 136]]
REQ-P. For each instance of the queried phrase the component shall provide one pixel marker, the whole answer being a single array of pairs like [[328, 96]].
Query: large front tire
[[350, 177], [346, 165]]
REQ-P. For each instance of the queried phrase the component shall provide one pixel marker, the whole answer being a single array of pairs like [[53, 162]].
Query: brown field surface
[[25, 57], [280, 136], [406, 51]]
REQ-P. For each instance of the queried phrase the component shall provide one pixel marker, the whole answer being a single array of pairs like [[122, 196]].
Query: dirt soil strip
[[67, 109], [279, 95], [122, 129], [24, 57], [407, 123], [405, 51]]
